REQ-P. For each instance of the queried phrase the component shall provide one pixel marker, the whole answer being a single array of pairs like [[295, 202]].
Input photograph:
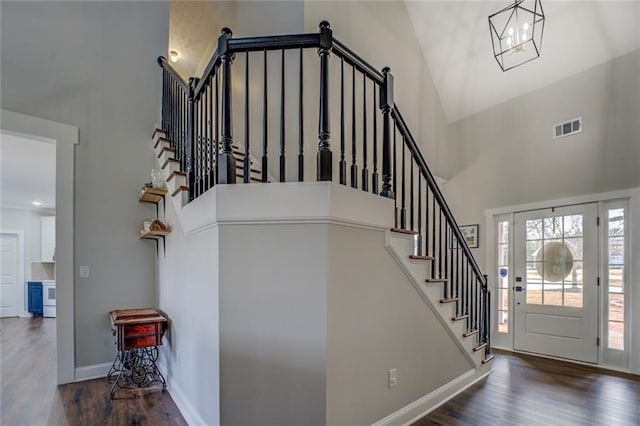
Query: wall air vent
[[567, 128]]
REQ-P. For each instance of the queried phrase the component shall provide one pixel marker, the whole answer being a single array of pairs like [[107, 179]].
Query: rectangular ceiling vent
[[567, 128]]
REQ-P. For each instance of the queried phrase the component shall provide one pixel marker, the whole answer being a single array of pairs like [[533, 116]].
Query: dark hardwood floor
[[528, 390], [523, 390], [29, 395]]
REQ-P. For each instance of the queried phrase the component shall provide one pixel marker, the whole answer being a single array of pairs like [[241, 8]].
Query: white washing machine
[[49, 299]]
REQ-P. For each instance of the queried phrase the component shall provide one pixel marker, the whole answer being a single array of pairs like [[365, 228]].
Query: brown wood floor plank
[[30, 396], [528, 390]]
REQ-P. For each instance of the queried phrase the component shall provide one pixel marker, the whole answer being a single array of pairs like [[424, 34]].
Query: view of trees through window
[[554, 256]]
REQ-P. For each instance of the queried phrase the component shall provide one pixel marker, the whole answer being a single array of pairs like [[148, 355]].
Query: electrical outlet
[[393, 377], [84, 272]]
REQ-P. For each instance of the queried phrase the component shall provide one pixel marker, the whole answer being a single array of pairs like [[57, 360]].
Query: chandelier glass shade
[[516, 33]]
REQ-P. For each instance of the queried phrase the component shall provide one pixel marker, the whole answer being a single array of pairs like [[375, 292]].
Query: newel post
[[386, 104], [191, 139], [324, 157], [226, 160]]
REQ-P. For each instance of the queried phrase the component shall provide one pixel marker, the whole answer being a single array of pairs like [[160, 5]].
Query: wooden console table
[[138, 334]]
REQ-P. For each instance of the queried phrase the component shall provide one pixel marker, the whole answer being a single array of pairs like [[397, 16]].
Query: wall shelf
[[153, 234], [151, 195]]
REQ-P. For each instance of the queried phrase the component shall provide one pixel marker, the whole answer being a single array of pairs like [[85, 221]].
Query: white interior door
[[556, 282], [8, 275]]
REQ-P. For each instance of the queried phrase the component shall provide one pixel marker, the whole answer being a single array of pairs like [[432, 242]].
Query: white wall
[[506, 155], [92, 65]]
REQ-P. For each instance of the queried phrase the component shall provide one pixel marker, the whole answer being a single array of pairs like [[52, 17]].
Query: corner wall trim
[[417, 409], [94, 371]]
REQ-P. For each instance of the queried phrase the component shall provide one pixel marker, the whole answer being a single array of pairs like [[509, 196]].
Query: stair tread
[[176, 173], [487, 359], [179, 189], [436, 280], [404, 231], [241, 167], [453, 299], [170, 160], [470, 333], [479, 347], [461, 317], [157, 130], [160, 140], [419, 257], [166, 148]]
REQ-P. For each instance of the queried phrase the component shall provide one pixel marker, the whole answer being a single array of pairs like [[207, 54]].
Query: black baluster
[[301, 124], [226, 160], [212, 139], [411, 194], [282, 109], [433, 231], [246, 167], [191, 148], [386, 103], [265, 137], [419, 237], [403, 210], [395, 177], [354, 167], [324, 158], [440, 246], [426, 217], [216, 143], [365, 171], [374, 176], [343, 164]]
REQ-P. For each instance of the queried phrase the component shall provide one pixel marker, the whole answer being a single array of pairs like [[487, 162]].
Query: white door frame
[[66, 137], [633, 197], [22, 312]]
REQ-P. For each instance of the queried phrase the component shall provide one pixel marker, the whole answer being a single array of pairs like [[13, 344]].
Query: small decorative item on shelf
[[153, 229], [158, 179]]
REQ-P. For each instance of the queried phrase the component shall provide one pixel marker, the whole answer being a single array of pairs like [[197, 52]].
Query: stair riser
[[157, 135], [175, 182], [166, 155], [160, 146]]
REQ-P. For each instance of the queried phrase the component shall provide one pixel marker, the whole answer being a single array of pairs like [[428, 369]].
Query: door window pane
[[534, 229], [503, 276], [615, 277]]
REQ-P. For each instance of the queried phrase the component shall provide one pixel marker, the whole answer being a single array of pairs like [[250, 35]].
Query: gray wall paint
[[92, 65], [377, 321], [507, 156], [382, 33], [188, 295], [273, 324]]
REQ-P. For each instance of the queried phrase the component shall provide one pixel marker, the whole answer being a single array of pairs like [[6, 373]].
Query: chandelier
[[516, 33]]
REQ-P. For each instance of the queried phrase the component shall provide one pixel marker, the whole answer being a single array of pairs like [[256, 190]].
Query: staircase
[[375, 152]]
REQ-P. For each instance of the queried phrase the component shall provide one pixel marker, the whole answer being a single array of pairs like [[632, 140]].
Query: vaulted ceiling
[[456, 45]]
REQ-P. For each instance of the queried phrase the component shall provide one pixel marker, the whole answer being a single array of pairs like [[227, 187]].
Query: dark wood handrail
[[426, 172], [162, 61], [352, 58]]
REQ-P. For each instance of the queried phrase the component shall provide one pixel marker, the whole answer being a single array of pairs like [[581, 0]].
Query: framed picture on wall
[[471, 235]]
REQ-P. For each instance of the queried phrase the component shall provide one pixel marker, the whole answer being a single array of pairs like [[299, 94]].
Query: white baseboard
[[189, 413], [432, 400], [92, 371]]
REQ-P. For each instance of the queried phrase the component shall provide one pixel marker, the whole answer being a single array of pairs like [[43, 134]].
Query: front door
[[556, 282]]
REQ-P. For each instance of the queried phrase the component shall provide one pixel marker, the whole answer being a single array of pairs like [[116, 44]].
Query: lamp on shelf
[[516, 33]]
